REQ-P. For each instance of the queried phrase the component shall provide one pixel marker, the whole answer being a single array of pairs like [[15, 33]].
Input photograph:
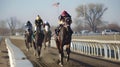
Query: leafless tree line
[[10, 26], [91, 14], [89, 17]]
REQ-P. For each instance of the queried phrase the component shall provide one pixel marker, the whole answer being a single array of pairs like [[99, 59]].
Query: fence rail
[[106, 49]]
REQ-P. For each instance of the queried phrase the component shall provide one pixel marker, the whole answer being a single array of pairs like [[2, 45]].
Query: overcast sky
[[25, 10]]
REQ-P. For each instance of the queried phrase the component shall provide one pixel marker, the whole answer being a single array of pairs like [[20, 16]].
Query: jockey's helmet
[[28, 23], [64, 13], [38, 17]]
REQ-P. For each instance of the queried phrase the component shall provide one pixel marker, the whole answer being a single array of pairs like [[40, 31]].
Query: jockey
[[64, 20], [38, 21], [28, 25]]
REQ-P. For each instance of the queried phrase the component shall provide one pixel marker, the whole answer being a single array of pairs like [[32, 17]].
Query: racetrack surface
[[50, 58]]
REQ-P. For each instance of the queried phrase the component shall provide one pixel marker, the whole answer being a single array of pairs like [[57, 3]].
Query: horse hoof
[[61, 64]]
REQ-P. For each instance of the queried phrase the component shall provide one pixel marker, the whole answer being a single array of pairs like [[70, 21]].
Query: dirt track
[[50, 58]]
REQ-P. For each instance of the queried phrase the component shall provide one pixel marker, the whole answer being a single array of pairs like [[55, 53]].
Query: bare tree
[[92, 14], [3, 28], [2, 24], [12, 25]]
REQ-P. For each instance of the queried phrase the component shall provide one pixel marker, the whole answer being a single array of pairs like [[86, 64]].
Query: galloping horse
[[28, 38], [47, 37], [38, 39], [64, 39]]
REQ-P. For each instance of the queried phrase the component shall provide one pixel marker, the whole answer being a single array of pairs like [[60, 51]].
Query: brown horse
[[28, 38], [64, 39], [38, 39]]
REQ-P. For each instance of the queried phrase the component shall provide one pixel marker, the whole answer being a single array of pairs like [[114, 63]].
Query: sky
[[25, 10]]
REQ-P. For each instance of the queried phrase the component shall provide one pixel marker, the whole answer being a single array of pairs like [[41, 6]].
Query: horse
[[38, 40], [28, 38], [64, 39], [47, 35]]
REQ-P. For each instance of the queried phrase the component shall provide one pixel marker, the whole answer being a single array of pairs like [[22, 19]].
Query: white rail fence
[[109, 50]]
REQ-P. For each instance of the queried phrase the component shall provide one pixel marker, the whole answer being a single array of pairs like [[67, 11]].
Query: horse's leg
[[49, 39], [30, 44], [61, 56], [34, 47], [44, 44], [31, 41], [37, 49], [49, 43], [40, 49], [45, 40], [57, 45], [68, 52], [26, 43]]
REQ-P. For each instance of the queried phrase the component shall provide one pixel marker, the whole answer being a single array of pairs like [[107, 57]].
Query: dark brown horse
[[28, 38], [64, 39], [38, 40]]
